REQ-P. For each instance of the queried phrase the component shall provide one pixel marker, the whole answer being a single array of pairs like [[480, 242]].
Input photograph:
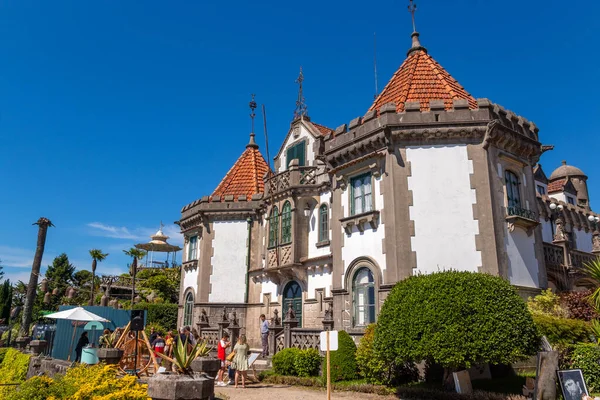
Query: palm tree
[[97, 255], [136, 254], [592, 272], [43, 225]]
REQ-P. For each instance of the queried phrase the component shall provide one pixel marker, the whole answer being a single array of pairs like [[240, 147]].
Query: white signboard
[[333, 340]]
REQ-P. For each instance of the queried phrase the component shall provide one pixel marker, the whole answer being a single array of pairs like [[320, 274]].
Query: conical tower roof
[[246, 175], [421, 78]]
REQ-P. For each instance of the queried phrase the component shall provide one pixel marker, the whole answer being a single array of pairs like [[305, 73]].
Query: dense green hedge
[[284, 361], [586, 356], [562, 331], [343, 360], [307, 363], [455, 319], [162, 314]]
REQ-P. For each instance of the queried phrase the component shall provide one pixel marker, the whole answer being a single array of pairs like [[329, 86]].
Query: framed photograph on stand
[[572, 384]]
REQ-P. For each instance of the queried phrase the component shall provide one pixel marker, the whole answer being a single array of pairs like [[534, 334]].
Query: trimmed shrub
[[13, 370], [376, 371], [36, 388], [343, 360], [562, 331], [307, 363], [586, 356], [547, 303], [578, 305], [284, 361], [455, 319], [162, 314]]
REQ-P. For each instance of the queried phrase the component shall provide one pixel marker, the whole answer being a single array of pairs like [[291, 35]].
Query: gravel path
[[279, 392]]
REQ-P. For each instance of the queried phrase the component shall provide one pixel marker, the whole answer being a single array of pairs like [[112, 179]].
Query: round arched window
[[363, 288], [188, 309]]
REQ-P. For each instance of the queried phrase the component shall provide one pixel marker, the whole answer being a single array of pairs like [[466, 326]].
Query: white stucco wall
[[228, 279], [560, 196], [268, 287], [309, 154], [583, 240], [442, 209], [190, 279], [313, 233], [368, 243], [523, 266], [547, 234], [318, 280]]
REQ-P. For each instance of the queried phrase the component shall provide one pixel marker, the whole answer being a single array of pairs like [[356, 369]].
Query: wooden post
[[121, 339], [151, 351], [328, 371], [71, 345]]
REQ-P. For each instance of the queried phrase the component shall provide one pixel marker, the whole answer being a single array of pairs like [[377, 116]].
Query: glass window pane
[[323, 223], [286, 223]]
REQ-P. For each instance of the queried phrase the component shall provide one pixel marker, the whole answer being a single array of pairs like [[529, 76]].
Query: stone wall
[[47, 366]]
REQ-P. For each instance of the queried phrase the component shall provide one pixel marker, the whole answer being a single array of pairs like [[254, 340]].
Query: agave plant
[[592, 272], [182, 358]]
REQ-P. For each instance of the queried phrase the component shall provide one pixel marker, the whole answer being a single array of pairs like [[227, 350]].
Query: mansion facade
[[429, 179]]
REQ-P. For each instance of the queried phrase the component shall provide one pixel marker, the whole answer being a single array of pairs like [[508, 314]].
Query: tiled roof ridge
[[245, 177], [324, 130]]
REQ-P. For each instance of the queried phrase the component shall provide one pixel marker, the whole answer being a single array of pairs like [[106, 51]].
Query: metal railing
[[521, 212]]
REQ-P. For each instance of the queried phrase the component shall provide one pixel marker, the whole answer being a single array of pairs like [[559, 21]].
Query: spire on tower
[[301, 108], [252, 106], [416, 44]]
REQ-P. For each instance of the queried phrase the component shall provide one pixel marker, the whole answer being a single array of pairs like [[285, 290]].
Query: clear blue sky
[[115, 114]]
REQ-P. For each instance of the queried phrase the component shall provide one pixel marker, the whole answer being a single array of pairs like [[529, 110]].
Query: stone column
[[223, 323], [234, 328], [274, 329], [289, 323]]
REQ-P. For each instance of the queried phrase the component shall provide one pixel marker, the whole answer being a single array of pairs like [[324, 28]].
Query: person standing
[[158, 345], [222, 346], [264, 335], [240, 360], [153, 335], [83, 341]]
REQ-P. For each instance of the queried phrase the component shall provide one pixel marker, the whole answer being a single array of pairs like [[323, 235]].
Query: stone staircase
[[262, 364]]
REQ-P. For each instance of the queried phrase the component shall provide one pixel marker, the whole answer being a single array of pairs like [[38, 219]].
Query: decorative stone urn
[[171, 386], [209, 365], [22, 342], [37, 346], [109, 355]]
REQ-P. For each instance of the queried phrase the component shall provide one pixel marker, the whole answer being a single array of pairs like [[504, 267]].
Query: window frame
[[188, 309], [570, 200], [367, 290], [286, 223], [541, 189], [513, 200], [293, 150], [363, 178], [323, 222], [192, 253], [274, 227]]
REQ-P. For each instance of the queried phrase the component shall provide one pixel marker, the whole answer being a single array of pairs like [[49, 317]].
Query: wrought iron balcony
[[521, 212], [521, 217]]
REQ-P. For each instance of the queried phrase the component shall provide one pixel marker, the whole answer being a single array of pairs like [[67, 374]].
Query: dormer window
[[296, 152], [570, 200], [541, 190]]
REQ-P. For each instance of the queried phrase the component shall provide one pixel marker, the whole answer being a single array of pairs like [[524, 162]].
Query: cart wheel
[[132, 363]]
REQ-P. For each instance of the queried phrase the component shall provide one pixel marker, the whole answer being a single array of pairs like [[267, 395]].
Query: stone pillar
[[234, 328], [328, 319], [223, 323], [289, 323], [274, 329]]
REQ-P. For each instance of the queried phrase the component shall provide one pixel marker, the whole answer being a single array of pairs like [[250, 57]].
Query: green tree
[[97, 256], [163, 282], [43, 225], [82, 278], [60, 277], [5, 301], [135, 254], [1, 270], [454, 319]]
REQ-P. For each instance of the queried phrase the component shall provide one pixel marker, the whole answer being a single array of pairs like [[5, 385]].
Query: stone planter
[[37, 346], [209, 365], [109, 355], [170, 386], [22, 342]]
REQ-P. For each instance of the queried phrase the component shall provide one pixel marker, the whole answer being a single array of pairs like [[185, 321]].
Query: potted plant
[[184, 383], [107, 353]]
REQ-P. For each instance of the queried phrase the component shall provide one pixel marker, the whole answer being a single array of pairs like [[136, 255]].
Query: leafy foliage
[[343, 360], [464, 318], [592, 271], [5, 301], [563, 331], [184, 358], [547, 303], [164, 283], [35, 388], [13, 370], [59, 276], [586, 356], [579, 305], [284, 361], [307, 363], [162, 314]]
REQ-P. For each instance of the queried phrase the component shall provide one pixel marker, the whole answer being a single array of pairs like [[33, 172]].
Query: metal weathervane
[[412, 7], [301, 109], [252, 106]]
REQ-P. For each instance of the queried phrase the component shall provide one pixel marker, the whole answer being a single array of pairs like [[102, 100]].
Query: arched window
[[273, 227], [513, 192], [286, 223], [363, 288], [323, 223], [188, 309]]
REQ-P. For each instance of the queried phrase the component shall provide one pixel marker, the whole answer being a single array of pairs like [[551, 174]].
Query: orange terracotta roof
[[245, 177], [557, 186], [420, 78], [323, 129]]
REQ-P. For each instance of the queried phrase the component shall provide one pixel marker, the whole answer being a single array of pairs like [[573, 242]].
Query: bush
[[36, 388], [547, 303], [284, 361], [162, 314], [307, 363], [3, 351], [578, 305], [343, 360], [13, 370], [455, 319], [562, 331], [586, 356]]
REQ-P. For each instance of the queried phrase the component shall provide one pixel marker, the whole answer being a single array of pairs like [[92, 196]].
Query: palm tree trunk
[[43, 224], [134, 267], [93, 280]]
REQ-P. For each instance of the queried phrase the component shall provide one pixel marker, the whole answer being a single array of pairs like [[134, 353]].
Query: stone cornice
[[507, 139], [572, 214]]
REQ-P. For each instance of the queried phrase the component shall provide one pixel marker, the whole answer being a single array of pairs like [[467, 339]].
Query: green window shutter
[[290, 156], [298, 152]]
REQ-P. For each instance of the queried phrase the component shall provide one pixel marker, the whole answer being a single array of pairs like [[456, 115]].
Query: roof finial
[[252, 106], [416, 45], [412, 7], [564, 162], [301, 109]]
